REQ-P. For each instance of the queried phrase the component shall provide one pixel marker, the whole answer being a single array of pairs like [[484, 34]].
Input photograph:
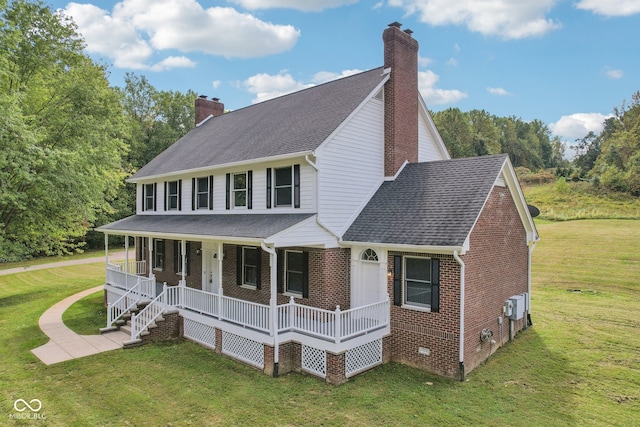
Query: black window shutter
[[268, 188], [210, 192], [165, 195], [281, 255], [187, 252], [250, 190], [179, 194], [176, 260], [296, 186], [435, 285], [259, 269], [397, 280], [155, 196], [193, 194], [305, 275], [144, 199], [239, 265], [228, 191]]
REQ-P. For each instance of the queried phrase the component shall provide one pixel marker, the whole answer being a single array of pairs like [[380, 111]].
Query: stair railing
[[148, 315], [122, 305]]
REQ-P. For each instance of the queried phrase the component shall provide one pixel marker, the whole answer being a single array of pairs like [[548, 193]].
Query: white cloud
[[614, 73], [303, 5], [137, 29], [423, 61], [173, 62], [505, 18], [578, 125], [610, 7], [266, 86], [433, 96], [453, 62], [216, 84], [498, 91]]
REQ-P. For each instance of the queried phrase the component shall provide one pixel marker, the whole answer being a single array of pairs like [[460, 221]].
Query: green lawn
[[579, 364]]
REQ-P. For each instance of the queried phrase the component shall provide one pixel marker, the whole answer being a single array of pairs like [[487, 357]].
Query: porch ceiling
[[251, 226]]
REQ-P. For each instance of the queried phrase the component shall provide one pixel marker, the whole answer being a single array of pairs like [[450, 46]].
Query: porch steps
[[124, 325]]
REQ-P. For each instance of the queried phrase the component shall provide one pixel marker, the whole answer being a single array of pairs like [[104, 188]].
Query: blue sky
[[565, 62]]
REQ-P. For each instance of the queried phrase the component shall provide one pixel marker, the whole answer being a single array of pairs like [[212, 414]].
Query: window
[[295, 272], [239, 190], [202, 193], [250, 266], [286, 186], [172, 196], [148, 197], [143, 248], [417, 281], [158, 254], [369, 255], [177, 257]]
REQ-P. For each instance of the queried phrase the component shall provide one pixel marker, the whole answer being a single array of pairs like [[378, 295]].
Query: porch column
[[220, 257], [183, 244], [106, 248], [150, 260], [273, 303], [126, 254]]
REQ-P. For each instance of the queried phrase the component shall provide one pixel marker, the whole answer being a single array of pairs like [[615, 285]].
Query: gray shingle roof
[[293, 123], [430, 204], [257, 226]]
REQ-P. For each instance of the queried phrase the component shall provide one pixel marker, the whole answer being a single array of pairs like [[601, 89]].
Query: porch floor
[[64, 344]]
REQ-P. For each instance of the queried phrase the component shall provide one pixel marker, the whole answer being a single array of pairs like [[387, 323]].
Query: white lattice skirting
[[249, 351], [200, 333], [314, 361], [363, 357]]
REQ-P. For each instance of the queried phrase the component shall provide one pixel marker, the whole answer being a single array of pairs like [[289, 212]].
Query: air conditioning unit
[[517, 306]]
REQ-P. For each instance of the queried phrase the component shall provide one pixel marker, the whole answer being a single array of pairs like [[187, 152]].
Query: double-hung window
[[417, 281], [158, 254], [172, 195], [283, 186], [295, 270], [202, 197], [148, 197], [250, 266], [240, 189]]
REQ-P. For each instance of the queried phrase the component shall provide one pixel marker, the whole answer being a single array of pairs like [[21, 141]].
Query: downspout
[[318, 220], [532, 246], [273, 303], [462, 267]]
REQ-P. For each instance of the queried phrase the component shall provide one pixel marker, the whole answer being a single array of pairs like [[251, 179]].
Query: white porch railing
[[148, 315], [144, 288], [126, 281], [135, 267]]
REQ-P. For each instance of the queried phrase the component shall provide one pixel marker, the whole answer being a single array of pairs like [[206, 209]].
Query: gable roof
[[428, 204], [295, 123]]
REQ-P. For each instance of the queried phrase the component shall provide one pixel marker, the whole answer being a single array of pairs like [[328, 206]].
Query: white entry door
[[368, 286], [209, 270]]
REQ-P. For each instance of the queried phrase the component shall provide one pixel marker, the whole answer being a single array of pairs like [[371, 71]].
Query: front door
[[209, 270], [368, 286]]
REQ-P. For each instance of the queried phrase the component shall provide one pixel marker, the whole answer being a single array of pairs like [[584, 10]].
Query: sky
[[567, 63]]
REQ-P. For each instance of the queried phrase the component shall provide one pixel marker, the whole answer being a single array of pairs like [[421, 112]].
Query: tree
[[61, 134]]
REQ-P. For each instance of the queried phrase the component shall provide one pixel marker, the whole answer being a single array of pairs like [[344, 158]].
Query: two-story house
[[328, 231]]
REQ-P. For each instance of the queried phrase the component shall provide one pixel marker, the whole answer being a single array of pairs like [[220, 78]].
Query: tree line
[[69, 140]]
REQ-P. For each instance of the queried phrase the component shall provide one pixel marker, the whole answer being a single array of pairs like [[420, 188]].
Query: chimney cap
[[215, 99], [395, 24], [203, 97], [408, 31]]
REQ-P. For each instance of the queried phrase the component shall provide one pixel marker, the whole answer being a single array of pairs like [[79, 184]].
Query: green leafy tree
[[60, 135]]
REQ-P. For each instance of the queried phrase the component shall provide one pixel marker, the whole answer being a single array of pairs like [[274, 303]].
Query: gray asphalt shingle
[[432, 203], [258, 226], [293, 123]]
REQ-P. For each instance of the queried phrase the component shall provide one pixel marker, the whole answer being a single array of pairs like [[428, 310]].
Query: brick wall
[[169, 275], [438, 332], [329, 278], [496, 269], [168, 329]]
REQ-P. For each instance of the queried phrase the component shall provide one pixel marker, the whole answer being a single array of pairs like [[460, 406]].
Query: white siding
[[259, 189], [307, 233], [428, 145], [351, 167]]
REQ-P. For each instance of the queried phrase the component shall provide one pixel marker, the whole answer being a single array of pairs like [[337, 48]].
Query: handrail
[[122, 305], [148, 315]]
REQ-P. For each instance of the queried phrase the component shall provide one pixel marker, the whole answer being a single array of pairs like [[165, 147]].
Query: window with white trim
[[417, 281], [158, 254], [173, 191], [369, 255], [202, 193], [295, 270], [284, 186], [149, 197], [239, 189]]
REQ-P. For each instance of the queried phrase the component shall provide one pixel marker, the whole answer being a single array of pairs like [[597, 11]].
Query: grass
[[579, 200], [92, 253], [578, 365], [87, 315]]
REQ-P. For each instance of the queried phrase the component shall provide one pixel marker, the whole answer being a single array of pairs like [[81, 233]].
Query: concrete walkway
[[65, 344]]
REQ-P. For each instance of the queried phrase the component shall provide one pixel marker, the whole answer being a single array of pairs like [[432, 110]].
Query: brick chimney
[[400, 98], [206, 108]]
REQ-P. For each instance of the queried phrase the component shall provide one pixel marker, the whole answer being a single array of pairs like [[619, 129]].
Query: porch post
[[273, 304], [126, 254], [150, 260], [220, 257], [184, 262], [106, 248]]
